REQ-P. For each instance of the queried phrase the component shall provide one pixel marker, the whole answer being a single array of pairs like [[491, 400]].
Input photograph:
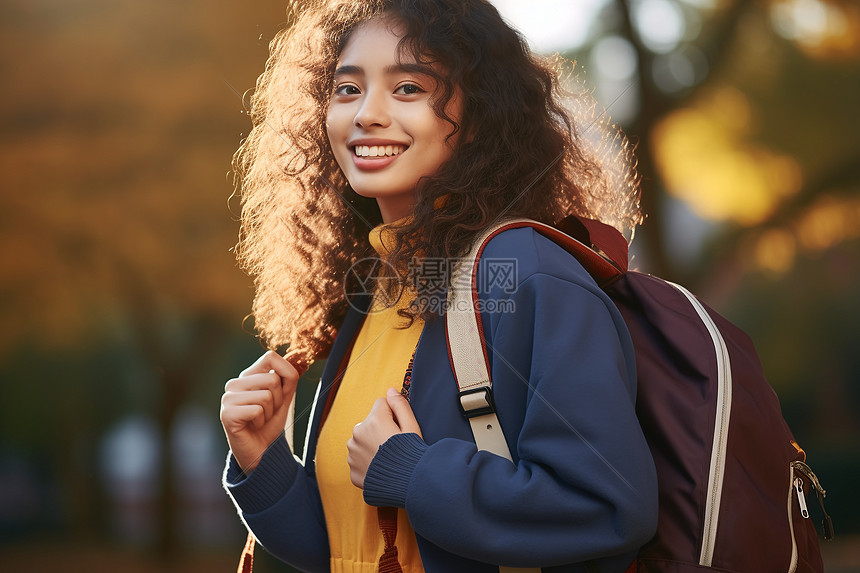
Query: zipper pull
[[801, 499], [826, 523]]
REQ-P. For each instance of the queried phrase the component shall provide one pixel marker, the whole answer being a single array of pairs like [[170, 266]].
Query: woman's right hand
[[255, 406]]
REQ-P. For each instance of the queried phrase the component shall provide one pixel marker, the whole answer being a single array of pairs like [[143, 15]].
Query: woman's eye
[[346, 89], [408, 89]]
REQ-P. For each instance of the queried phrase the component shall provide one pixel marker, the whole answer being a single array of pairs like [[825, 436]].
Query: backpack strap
[[598, 247], [463, 328], [467, 352], [601, 249]]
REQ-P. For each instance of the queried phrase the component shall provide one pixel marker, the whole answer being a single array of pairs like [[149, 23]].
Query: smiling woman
[[303, 224], [398, 131]]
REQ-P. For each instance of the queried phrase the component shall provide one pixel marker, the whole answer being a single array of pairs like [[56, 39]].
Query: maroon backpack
[[733, 482]]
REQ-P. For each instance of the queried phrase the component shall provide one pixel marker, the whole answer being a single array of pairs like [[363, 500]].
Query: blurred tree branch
[[654, 105]]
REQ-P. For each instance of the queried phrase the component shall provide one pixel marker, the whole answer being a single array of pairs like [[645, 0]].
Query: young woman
[[396, 131]]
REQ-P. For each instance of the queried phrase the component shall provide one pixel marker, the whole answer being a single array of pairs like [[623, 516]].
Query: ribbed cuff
[[269, 481], [387, 481]]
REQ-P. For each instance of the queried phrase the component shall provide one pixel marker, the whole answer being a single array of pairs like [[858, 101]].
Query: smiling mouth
[[378, 150]]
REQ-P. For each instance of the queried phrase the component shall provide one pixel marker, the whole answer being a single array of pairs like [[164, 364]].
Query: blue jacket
[[581, 494]]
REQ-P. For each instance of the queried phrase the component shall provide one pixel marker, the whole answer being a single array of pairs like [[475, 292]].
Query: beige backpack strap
[[469, 360]]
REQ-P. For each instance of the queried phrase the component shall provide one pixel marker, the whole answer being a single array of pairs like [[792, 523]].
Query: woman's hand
[[255, 406], [390, 415]]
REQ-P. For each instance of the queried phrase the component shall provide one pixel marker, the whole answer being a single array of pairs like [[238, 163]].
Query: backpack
[[733, 483]]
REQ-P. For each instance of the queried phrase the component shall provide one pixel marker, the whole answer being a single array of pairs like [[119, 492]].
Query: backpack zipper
[[792, 486], [721, 429], [804, 470], [795, 487]]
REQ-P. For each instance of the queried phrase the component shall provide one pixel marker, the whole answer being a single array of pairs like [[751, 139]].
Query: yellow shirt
[[378, 362]]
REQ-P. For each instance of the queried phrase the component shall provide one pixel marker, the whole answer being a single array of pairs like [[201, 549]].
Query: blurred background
[[123, 311]]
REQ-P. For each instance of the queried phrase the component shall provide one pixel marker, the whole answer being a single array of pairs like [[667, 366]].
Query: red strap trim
[[598, 235], [388, 562], [601, 249], [246, 561]]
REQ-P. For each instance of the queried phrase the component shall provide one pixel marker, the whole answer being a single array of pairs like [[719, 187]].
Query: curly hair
[[527, 152]]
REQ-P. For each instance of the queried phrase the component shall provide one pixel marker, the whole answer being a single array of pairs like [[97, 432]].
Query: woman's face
[[381, 126]]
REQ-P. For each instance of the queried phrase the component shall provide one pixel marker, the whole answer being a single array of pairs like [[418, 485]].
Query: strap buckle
[[476, 402]]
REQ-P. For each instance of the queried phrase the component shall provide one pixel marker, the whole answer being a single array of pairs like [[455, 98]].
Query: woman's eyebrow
[[407, 69], [348, 71], [393, 69]]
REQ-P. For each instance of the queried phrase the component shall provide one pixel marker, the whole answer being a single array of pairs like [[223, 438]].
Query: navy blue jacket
[[582, 491]]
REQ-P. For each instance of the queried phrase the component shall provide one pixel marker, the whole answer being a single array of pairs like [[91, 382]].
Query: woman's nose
[[373, 111]]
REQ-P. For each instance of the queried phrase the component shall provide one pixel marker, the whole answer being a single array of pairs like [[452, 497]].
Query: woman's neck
[[395, 208]]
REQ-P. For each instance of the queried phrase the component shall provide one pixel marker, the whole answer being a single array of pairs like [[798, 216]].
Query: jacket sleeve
[[582, 485], [280, 504]]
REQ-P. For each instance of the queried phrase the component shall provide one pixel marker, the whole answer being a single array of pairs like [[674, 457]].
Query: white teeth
[[378, 150]]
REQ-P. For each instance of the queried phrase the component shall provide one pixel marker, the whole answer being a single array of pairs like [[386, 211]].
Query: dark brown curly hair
[[530, 149]]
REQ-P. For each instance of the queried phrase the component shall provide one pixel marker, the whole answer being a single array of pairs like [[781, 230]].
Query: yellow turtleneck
[[378, 362]]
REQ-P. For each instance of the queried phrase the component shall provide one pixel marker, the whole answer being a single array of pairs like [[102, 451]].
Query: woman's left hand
[[390, 415]]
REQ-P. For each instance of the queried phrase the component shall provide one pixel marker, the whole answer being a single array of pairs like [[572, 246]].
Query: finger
[[402, 411], [238, 416], [281, 390], [263, 381], [261, 398], [272, 361], [269, 382]]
